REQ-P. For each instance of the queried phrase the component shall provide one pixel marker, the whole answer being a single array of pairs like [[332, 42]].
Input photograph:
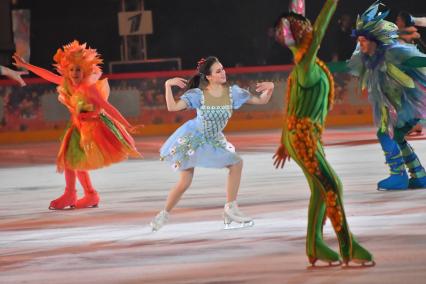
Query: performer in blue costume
[[393, 75], [200, 142]]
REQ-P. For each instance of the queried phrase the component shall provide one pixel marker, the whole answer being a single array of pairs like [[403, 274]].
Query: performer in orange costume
[[97, 135]]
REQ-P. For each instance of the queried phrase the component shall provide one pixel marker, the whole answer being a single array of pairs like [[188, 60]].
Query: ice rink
[[113, 243]]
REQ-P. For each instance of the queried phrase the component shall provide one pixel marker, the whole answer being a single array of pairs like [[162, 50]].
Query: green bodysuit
[[309, 95]]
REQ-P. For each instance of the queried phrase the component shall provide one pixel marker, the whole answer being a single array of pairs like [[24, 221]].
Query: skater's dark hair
[[300, 26], [204, 65], [288, 15], [409, 22], [406, 18]]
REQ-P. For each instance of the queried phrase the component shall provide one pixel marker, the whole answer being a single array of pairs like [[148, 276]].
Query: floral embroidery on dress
[[205, 131], [214, 120], [188, 144]]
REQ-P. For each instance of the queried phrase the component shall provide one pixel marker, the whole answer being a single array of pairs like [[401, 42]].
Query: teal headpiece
[[371, 24]]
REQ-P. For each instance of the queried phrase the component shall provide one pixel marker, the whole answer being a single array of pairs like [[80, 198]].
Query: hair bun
[[200, 62]]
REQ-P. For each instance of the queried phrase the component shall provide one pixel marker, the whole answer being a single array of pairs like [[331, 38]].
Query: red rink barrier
[[33, 113]]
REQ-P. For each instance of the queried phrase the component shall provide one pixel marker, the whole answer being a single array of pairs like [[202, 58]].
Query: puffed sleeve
[[239, 96], [192, 98]]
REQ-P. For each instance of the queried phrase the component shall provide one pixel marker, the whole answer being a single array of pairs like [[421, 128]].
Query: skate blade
[[323, 264], [235, 225], [392, 189], [92, 206], [87, 207], [358, 264], [72, 207], [153, 228]]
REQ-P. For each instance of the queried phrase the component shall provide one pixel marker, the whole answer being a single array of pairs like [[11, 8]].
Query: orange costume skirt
[[94, 140]]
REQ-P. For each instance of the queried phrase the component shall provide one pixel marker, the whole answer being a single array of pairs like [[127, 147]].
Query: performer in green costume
[[309, 97]]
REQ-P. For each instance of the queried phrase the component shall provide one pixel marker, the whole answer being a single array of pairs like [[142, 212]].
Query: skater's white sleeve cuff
[[419, 21]]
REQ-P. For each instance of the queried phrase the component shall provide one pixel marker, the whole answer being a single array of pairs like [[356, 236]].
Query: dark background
[[234, 30]]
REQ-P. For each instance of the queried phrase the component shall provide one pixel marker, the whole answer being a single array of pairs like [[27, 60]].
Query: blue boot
[[398, 179], [417, 172]]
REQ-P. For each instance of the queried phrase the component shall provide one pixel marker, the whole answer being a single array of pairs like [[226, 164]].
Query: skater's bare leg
[[173, 198], [234, 179], [178, 190]]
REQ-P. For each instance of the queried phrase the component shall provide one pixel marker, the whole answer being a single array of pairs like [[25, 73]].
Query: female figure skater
[[97, 135], [310, 92], [407, 29], [200, 141]]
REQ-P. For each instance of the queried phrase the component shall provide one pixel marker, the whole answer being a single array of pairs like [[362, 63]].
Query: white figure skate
[[232, 214], [159, 220]]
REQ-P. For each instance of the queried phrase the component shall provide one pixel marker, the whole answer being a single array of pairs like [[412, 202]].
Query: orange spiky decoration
[[75, 53]]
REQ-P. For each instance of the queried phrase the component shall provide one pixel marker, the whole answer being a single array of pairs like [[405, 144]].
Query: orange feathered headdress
[[75, 53]]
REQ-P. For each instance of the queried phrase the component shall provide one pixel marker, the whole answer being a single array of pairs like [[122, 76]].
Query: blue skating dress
[[200, 142]]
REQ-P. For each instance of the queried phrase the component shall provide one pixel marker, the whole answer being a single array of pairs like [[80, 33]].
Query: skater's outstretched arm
[[14, 75], [97, 99], [338, 67], [419, 21], [415, 62], [43, 73], [266, 89], [306, 73], [172, 105], [320, 27]]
